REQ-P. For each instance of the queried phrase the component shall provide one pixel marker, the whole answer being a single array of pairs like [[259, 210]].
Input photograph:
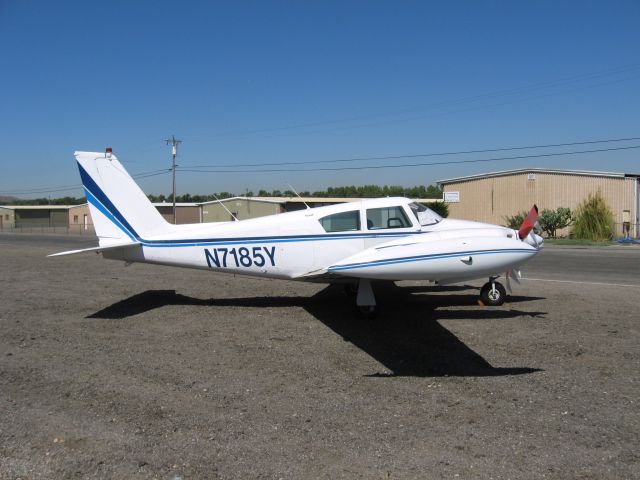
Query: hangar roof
[[304, 199], [178, 204], [557, 171], [255, 199], [41, 207], [287, 199]]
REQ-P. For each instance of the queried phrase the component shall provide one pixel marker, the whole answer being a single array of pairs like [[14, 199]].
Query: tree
[[594, 220], [348, 191], [553, 220], [49, 201]]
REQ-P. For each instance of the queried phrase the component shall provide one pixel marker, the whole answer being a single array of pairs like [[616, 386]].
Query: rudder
[[119, 208]]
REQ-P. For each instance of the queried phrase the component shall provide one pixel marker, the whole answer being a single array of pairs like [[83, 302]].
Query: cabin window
[[341, 222], [75, 219], [387, 217]]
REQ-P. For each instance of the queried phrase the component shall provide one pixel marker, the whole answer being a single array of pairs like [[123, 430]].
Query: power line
[[594, 75], [416, 155], [422, 164], [207, 169], [77, 186]]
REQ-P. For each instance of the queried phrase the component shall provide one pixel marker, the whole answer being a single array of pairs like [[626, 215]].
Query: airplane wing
[[96, 249], [322, 275], [447, 256]]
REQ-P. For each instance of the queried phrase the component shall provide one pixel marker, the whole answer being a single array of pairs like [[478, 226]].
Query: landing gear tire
[[493, 294], [367, 312]]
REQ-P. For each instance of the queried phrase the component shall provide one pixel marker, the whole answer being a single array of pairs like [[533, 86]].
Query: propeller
[[515, 274], [529, 222]]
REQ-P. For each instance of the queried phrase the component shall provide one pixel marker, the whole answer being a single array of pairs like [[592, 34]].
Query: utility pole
[[174, 142]]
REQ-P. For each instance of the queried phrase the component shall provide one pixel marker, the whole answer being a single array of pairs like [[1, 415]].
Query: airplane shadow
[[407, 337]]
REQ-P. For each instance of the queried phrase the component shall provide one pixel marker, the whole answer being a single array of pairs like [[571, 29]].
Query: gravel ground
[[109, 371]]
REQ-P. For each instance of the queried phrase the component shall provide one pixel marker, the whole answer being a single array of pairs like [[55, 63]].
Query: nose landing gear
[[492, 293]]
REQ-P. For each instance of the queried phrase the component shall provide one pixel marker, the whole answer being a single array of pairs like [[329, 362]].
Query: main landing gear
[[492, 293], [365, 299]]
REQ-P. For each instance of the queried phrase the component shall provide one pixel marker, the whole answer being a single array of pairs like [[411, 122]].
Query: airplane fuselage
[[339, 241]]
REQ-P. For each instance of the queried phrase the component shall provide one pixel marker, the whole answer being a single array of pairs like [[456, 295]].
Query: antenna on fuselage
[[235, 219], [298, 195]]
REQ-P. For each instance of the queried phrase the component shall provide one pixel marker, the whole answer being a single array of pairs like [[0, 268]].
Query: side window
[[341, 222], [387, 217]]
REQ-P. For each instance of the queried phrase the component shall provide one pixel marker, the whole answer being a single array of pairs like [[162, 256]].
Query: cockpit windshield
[[425, 215]]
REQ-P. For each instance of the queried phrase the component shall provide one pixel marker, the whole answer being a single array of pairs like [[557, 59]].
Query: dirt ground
[[109, 371]]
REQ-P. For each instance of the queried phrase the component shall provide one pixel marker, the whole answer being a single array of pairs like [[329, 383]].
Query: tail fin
[[119, 209]]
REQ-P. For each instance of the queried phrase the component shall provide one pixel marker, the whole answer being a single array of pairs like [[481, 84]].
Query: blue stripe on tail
[[98, 199]]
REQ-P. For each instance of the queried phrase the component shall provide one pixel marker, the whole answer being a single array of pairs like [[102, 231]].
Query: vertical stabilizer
[[119, 209]]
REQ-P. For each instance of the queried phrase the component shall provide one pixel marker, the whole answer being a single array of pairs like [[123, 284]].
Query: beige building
[[491, 197], [80, 219], [41, 216], [7, 217], [241, 207], [47, 218], [185, 212]]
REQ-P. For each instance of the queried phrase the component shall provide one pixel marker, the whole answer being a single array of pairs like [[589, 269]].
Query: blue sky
[[263, 82]]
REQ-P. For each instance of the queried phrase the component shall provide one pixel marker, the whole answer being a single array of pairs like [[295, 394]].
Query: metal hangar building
[[491, 197]]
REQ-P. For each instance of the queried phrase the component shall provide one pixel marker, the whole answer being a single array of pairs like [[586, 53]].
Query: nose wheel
[[492, 293]]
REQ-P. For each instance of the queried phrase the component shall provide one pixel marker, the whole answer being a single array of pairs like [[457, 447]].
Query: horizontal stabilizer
[[96, 249]]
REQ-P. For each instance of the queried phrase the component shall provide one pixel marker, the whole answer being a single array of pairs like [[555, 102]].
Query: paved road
[[69, 242], [615, 265]]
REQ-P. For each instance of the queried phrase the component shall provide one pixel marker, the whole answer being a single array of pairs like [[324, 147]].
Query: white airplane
[[353, 243]]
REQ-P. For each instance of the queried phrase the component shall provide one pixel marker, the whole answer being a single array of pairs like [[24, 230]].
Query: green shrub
[[515, 221], [553, 220], [441, 208], [594, 220]]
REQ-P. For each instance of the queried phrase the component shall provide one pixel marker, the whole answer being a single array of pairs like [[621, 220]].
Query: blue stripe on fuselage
[[420, 258], [266, 239]]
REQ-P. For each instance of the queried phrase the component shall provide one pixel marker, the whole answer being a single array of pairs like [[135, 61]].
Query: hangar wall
[[242, 208], [493, 197], [40, 217], [185, 213]]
